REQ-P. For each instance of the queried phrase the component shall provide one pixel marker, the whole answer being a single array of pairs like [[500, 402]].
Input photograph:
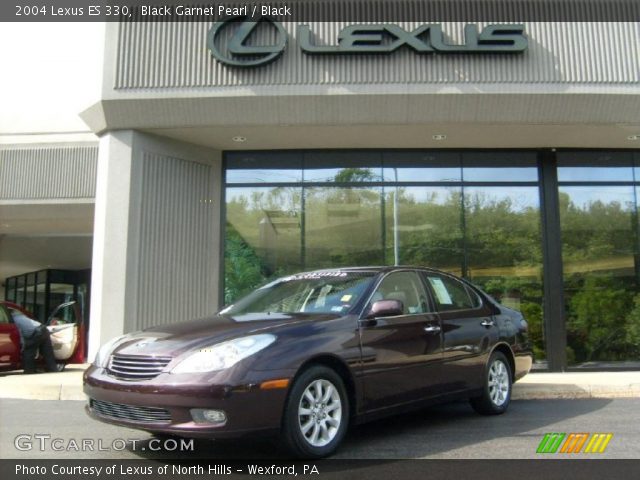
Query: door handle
[[432, 329], [487, 323]]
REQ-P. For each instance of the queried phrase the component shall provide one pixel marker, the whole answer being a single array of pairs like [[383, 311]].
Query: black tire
[[494, 399], [301, 444], [60, 366]]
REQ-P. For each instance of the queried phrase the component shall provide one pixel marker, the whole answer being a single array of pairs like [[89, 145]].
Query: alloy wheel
[[320, 412], [498, 383]]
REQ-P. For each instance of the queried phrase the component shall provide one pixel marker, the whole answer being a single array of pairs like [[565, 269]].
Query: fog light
[[201, 415]]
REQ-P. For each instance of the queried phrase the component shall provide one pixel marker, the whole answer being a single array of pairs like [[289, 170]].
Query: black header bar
[[321, 10]]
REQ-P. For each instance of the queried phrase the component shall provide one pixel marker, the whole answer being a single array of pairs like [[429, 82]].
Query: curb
[[67, 385], [573, 392], [520, 392], [46, 392]]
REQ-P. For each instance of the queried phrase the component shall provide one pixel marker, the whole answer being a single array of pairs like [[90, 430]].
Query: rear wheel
[[496, 393], [316, 415]]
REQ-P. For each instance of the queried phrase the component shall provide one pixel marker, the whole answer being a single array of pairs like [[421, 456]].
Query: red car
[[65, 326]]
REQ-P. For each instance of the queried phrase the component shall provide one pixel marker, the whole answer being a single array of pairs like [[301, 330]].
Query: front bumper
[[248, 408]]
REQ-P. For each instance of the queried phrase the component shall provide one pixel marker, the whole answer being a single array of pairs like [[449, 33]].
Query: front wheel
[[317, 413], [496, 393]]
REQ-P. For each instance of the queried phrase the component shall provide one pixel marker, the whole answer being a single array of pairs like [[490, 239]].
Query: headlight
[[102, 357], [223, 355]]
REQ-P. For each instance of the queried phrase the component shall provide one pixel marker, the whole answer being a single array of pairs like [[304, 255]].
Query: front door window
[[406, 288]]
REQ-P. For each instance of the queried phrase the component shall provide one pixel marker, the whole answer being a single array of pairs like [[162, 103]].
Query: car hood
[[174, 339]]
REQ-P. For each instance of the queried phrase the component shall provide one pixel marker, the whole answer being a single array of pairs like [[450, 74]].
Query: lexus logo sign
[[238, 47], [241, 43]]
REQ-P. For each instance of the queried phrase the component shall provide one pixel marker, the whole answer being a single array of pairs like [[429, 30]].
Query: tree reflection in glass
[[600, 279], [263, 236]]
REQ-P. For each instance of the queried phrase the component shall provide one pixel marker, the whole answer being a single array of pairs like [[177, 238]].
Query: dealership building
[[219, 156]]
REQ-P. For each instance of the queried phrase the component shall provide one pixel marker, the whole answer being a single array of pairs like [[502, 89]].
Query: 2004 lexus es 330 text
[[309, 354]]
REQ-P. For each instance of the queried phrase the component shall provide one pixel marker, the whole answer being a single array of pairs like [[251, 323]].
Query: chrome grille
[[136, 367], [130, 412]]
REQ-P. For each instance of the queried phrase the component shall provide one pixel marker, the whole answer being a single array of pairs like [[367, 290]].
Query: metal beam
[[555, 331]]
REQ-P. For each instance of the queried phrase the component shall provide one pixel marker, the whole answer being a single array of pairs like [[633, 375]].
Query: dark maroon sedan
[[308, 354]]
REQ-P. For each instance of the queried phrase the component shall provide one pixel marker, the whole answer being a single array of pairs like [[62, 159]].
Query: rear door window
[[450, 294]]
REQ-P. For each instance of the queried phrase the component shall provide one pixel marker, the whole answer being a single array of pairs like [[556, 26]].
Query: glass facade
[[598, 196], [475, 214]]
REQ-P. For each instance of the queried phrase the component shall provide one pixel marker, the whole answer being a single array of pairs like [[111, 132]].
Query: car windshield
[[314, 292]]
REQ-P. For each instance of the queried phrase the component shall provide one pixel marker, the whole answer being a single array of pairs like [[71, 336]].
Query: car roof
[[377, 269]]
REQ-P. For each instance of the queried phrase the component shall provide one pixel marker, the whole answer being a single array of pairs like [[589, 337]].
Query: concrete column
[[110, 237], [156, 249]]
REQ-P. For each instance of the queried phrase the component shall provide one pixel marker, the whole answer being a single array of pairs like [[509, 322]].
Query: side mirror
[[386, 308]]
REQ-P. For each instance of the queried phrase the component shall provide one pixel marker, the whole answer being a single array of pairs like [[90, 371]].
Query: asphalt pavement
[[442, 432]]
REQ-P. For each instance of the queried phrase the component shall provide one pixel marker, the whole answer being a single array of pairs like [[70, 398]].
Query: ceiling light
[[633, 138], [239, 139], [439, 137]]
